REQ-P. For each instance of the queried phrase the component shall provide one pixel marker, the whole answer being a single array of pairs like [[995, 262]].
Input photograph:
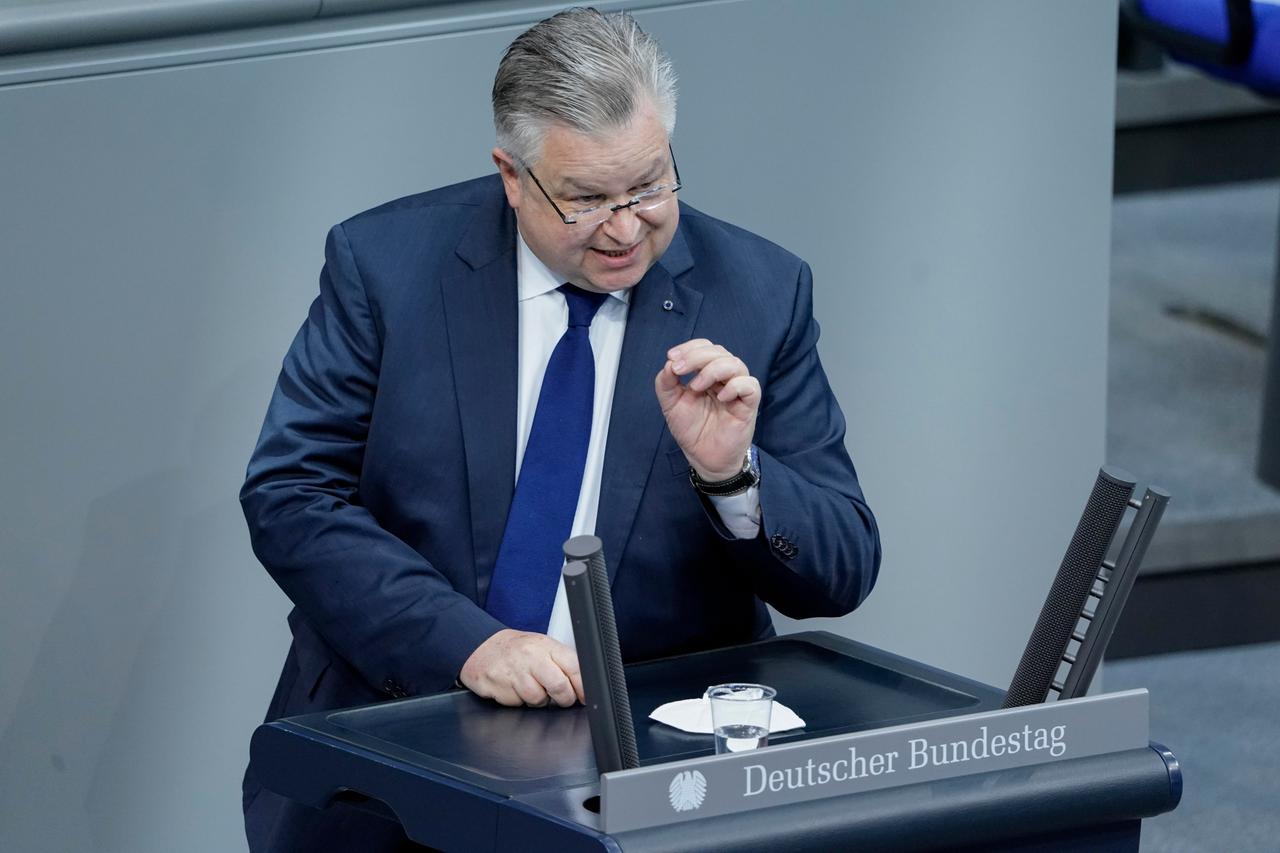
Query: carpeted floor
[[1192, 283], [1219, 712], [1192, 280]]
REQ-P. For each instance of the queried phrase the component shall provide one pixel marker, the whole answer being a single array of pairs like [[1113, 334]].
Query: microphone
[[595, 633]]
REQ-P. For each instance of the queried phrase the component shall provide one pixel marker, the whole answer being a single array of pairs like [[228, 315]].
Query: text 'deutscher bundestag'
[[870, 760]]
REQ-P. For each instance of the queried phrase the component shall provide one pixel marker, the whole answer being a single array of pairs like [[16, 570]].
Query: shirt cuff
[[740, 513]]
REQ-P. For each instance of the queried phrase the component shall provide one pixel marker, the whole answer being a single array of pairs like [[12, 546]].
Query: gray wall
[[944, 167]]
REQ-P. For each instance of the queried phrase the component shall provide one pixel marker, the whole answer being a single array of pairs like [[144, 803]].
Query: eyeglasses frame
[[612, 208]]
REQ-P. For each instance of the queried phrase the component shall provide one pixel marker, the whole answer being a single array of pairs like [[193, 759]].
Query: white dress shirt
[[544, 316]]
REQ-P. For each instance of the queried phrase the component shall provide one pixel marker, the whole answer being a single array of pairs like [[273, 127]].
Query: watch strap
[[735, 485]]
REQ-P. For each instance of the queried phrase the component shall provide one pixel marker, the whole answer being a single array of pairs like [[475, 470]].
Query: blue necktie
[[527, 572]]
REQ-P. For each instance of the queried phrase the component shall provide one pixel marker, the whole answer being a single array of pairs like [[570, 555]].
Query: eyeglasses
[[591, 217]]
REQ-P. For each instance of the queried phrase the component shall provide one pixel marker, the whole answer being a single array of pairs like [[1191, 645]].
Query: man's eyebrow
[[584, 185], [574, 184], [656, 165]]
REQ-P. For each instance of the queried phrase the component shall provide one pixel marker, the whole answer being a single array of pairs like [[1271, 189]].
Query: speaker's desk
[[462, 773]]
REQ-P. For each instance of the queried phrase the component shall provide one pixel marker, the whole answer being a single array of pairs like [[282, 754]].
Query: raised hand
[[712, 416]]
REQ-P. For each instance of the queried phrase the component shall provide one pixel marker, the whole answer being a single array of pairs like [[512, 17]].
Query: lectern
[[461, 773]]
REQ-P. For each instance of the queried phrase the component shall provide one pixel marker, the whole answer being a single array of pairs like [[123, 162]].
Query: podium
[[462, 773]]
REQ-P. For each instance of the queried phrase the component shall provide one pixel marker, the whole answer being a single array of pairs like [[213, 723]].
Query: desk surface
[[834, 684]]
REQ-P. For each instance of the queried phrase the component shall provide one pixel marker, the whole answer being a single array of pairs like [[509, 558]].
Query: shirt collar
[[536, 279]]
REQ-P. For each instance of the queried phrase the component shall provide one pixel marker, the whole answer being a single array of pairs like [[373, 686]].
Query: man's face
[[580, 171]]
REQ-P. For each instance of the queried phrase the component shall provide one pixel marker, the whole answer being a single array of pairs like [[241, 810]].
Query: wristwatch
[[735, 485]]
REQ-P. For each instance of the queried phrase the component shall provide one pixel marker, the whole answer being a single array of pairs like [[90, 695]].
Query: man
[[558, 349]]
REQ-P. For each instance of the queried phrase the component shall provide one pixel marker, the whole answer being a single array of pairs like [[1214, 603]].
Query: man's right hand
[[522, 668]]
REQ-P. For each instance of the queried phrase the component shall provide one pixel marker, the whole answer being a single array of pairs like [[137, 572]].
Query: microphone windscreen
[[1066, 599]]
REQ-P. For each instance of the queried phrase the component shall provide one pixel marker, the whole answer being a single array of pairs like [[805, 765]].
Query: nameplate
[[866, 761]]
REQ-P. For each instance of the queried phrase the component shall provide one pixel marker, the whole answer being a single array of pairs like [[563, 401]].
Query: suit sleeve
[[378, 602], [819, 549]]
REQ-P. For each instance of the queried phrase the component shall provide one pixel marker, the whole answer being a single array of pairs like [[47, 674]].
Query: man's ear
[[510, 176]]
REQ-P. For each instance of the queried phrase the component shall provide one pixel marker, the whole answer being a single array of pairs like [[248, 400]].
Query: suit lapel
[[661, 315], [481, 316]]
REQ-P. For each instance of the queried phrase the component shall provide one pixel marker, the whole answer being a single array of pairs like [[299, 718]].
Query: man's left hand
[[712, 416]]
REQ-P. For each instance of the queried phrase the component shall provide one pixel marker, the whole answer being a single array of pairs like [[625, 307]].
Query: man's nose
[[623, 227]]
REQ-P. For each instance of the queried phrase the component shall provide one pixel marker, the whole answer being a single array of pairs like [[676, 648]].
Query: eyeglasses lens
[[645, 204]]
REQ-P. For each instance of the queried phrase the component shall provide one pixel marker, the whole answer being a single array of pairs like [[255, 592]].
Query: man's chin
[[615, 280], [614, 286], [612, 281]]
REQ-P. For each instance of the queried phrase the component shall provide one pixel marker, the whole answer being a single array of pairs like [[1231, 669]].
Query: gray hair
[[583, 69]]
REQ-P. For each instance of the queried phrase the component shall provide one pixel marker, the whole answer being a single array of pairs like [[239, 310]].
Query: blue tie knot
[[583, 304]]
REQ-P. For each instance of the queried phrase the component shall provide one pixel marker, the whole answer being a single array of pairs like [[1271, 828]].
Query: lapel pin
[[667, 305]]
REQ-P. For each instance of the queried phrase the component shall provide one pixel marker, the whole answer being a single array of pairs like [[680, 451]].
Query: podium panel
[[463, 773]]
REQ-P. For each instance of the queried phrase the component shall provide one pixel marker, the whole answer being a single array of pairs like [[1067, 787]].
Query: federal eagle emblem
[[687, 790]]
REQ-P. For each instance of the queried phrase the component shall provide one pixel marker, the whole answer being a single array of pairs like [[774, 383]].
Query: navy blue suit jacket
[[379, 488]]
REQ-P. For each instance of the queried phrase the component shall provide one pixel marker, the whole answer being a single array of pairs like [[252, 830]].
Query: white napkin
[[694, 716]]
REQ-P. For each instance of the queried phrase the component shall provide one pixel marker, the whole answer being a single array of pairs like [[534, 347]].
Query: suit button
[[393, 688]]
